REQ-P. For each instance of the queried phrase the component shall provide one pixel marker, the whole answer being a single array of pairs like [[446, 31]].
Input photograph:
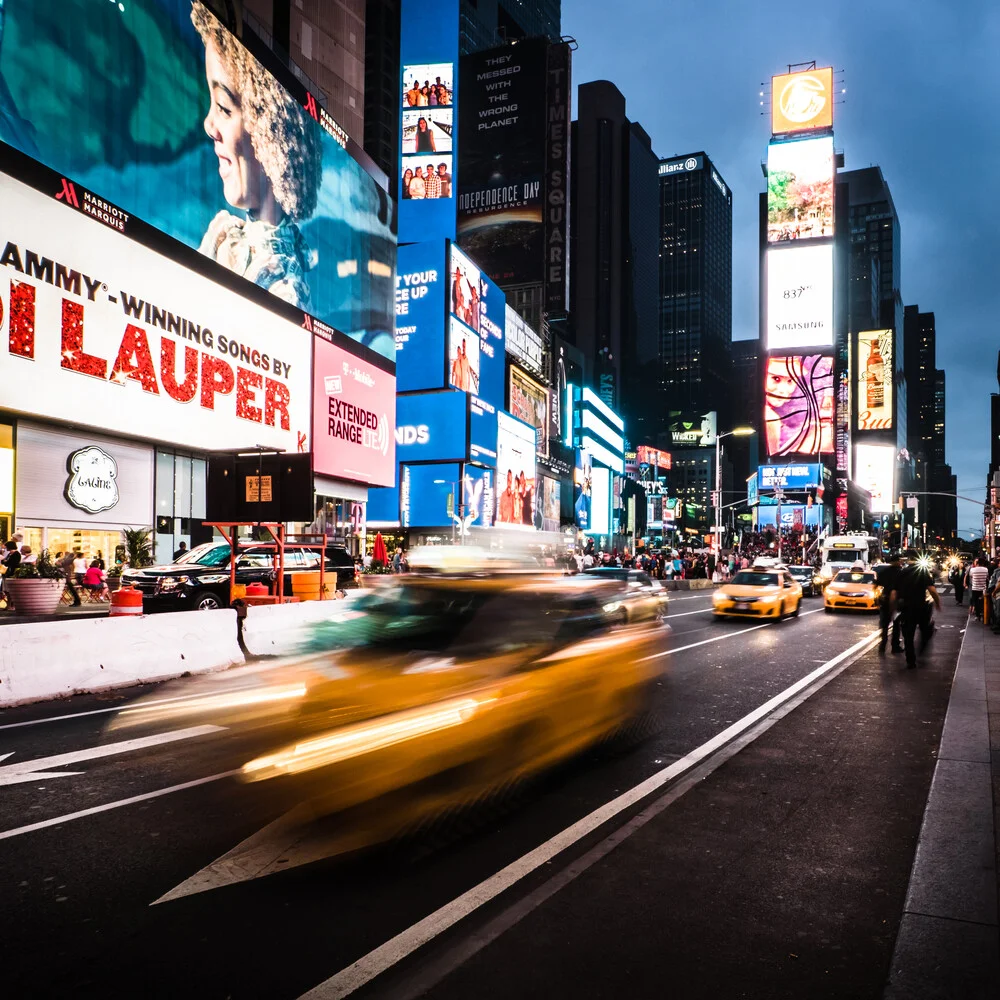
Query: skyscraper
[[382, 19], [613, 249], [696, 285], [487, 23]]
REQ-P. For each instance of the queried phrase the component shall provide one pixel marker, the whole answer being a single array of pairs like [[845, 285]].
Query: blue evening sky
[[921, 102]]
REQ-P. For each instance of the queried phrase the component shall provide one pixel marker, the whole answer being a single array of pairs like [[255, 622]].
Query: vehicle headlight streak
[[220, 702], [365, 737]]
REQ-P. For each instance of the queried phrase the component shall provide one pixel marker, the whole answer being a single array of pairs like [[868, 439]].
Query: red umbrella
[[379, 553]]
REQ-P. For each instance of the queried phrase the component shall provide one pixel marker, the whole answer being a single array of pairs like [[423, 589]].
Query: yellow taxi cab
[[431, 691], [854, 589], [760, 592]]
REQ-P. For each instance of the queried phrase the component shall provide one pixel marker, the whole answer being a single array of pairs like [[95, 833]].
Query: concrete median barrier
[[279, 629], [55, 659]]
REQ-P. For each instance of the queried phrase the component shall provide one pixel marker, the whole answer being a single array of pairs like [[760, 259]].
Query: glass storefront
[[180, 504], [94, 544]]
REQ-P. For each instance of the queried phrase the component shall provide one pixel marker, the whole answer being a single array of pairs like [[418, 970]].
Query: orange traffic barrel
[[256, 590], [126, 601]]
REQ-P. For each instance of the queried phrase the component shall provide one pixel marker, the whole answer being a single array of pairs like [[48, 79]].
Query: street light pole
[[716, 538]]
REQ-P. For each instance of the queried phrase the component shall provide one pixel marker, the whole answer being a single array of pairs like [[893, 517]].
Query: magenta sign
[[354, 417]]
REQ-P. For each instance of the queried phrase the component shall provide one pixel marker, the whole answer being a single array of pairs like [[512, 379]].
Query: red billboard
[[354, 417]]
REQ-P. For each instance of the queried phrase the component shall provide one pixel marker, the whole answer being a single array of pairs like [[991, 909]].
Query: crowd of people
[[78, 571]]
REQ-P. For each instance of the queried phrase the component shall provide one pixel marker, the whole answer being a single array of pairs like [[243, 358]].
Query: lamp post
[[735, 432], [457, 506]]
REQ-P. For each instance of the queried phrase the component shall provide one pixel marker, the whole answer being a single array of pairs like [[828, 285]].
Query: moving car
[[642, 599], [426, 692], [758, 593], [855, 589], [806, 579], [199, 579]]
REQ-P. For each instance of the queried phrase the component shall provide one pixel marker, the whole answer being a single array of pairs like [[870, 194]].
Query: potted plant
[[35, 588], [138, 547]]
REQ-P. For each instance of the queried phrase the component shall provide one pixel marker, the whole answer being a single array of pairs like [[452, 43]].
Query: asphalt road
[[769, 862]]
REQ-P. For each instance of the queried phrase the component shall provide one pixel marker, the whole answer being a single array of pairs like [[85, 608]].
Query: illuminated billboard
[[695, 430], [799, 297], [191, 133], [802, 102], [874, 380], [515, 487], [800, 189], [427, 494], [600, 502], [647, 455], [529, 401], [354, 417], [874, 466], [799, 405], [582, 482], [476, 359], [103, 330], [421, 283], [429, 126]]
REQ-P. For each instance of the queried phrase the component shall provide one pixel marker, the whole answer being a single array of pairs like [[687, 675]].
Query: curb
[[949, 938]]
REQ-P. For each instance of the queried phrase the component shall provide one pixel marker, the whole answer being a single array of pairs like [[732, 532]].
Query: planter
[[35, 596]]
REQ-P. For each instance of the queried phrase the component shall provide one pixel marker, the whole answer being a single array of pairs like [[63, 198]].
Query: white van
[[839, 552]]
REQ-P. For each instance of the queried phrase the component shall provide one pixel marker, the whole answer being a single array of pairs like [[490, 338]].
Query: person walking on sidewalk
[[888, 577], [957, 578], [910, 596], [66, 564], [979, 576], [993, 596]]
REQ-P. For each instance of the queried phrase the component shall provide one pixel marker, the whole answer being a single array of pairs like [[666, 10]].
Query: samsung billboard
[[799, 297]]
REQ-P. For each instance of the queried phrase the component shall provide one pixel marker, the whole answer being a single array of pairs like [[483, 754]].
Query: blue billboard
[[430, 427], [477, 316], [421, 281], [428, 120], [482, 431], [383, 506], [477, 496], [426, 492], [789, 477]]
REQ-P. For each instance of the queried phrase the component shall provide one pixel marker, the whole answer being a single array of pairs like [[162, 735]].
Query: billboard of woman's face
[[799, 405], [187, 130]]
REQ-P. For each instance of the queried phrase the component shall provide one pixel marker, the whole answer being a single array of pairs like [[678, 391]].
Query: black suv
[[199, 579]]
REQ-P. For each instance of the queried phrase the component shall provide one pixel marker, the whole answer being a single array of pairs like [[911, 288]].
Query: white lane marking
[[96, 711], [93, 810], [366, 968], [32, 770]]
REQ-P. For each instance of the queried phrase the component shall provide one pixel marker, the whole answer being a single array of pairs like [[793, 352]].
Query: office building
[[484, 24], [696, 285], [613, 249], [381, 130], [746, 410]]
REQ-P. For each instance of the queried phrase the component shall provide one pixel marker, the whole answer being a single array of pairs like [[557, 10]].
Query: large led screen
[[156, 107], [874, 465], [799, 405], [420, 317], [515, 472], [427, 493], [477, 497], [800, 189], [582, 489], [799, 297], [100, 330], [874, 380], [802, 102], [477, 308], [600, 506], [429, 134], [430, 426], [529, 401], [354, 417]]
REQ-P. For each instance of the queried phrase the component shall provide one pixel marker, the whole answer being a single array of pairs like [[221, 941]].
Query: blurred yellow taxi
[[852, 589], [761, 592], [428, 691]]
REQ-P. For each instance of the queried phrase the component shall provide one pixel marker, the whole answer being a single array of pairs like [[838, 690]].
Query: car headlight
[[719, 598], [167, 583]]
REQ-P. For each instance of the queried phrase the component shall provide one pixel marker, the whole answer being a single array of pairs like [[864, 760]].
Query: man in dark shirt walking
[[910, 595], [887, 577]]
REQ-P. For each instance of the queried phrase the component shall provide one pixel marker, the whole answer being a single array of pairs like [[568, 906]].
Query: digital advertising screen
[[799, 405], [874, 466], [98, 327], [428, 52], [875, 380], [547, 503], [477, 497], [789, 477], [430, 427], [354, 417], [529, 401], [421, 283], [522, 341], [582, 489], [800, 189], [482, 431], [515, 472], [477, 308], [654, 458], [799, 297], [191, 133], [427, 493], [696, 430], [501, 175], [802, 102], [600, 503]]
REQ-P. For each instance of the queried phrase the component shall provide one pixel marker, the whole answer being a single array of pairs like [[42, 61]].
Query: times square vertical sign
[[557, 166]]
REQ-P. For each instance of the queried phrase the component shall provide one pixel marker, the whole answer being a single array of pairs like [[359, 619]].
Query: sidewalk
[[62, 613], [949, 939]]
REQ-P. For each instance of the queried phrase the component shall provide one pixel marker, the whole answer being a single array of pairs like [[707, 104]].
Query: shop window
[[180, 504]]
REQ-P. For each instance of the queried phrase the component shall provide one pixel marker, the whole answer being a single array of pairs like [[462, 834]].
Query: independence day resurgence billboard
[[155, 106]]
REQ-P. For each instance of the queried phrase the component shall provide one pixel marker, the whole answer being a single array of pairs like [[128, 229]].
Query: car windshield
[[800, 570], [750, 578], [209, 554], [854, 577]]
